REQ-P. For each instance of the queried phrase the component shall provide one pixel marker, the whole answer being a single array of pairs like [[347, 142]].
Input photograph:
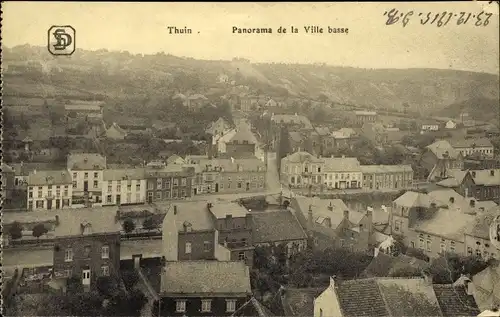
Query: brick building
[[169, 183], [387, 176]]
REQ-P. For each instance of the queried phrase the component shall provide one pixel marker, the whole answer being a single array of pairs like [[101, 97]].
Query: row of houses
[[302, 169], [87, 181]]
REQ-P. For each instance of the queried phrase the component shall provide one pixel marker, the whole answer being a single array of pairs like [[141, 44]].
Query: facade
[[169, 183], [472, 146], [87, 250], [438, 158], [87, 172], [429, 127], [204, 288], [460, 181], [387, 176], [85, 109], [477, 237], [301, 169], [234, 224], [49, 190], [342, 173], [487, 184], [124, 186], [363, 117]]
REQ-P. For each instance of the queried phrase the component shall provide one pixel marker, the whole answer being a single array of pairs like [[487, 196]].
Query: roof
[[470, 143], [456, 177], [193, 212], [84, 105], [23, 169], [102, 219], [203, 277], [365, 113], [295, 136], [175, 159], [7, 169], [179, 96], [253, 308], [413, 199], [117, 128], [342, 164], [386, 168], [484, 177], [86, 161], [300, 301], [384, 265], [252, 164], [322, 130], [273, 226], [441, 148], [487, 286], [222, 209], [41, 178], [302, 156], [171, 168], [123, 174], [360, 298], [480, 227], [243, 134], [454, 301]]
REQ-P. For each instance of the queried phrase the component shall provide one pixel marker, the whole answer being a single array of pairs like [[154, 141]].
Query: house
[[340, 139], [189, 234], [387, 176], [460, 181], [84, 109], [486, 287], [86, 246], [469, 146], [219, 127], [8, 183], [438, 158], [422, 220], [49, 190], [211, 288], [486, 184], [235, 229], [342, 173], [386, 265], [114, 132], [23, 169], [301, 169], [241, 143], [393, 297], [274, 228], [169, 182], [434, 126], [450, 124], [134, 126], [363, 117], [87, 172], [253, 308], [124, 186], [477, 236], [175, 159], [230, 175], [330, 223]]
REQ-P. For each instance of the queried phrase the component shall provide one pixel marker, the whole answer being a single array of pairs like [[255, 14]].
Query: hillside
[[482, 109], [120, 74]]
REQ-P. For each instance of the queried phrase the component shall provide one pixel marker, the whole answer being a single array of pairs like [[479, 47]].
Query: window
[[74, 184], [206, 305], [150, 185], [105, 252], [429, 243], [86, 175], [30, 205], [86, 251], [183, 181], [30, 194], [95, 175], [105, 270], [118, 188], [397, 225], [206, 246], [469, 250], [478, 252], [159, 183], [96, 184], [188, 247], [239, 185], [68, 255], [74, 174], [39, 204], [176, 182], [241, 256], [40, 194], [138, 186], [109, 188], [58, 193], [180, 306], [442, 247], [129, 197], [231, 305], [452, 246], [129, 187], [138, 197], [158, 195], [68, 273]]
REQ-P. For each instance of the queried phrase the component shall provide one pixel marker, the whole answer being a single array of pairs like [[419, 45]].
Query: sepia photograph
[[252, 159]]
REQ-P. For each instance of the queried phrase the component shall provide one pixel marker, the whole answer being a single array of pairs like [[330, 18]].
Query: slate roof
[[300, 301], [42, 178], [360, 298], [174, 158], [123, 174], [25, 168], [342, 164], [295, 136], [252, 164], [413, 199], [275, 226], [254, 308], [193, 212], [454, 301], [456, 177], [206, 277], [86, 161]]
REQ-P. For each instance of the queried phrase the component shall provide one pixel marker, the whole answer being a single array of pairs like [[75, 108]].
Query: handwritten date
[[439, 19]]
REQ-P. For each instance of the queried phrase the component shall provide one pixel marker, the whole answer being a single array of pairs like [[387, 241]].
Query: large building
[[169, 183], [124, 186], [86, 246], [470, 146], [342, 173], [301, 169], [365, 116], [387, 176], [438, 158], [49, 190], [86, 171], [84, 109]]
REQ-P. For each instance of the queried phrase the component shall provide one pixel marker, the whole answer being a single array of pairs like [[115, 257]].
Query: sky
[[370, 43]]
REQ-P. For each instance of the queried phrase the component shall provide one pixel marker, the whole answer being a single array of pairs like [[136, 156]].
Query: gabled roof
[[485, 177], [321, 210], [384, 265], [206, 277], [360, 298], [86, 161], [275, 226], [454, 301], [223, 209], [413, 199], [456, 177], [175, 159], [243, 134], [117, 128], [480, 227], [443, 148], [43, 178]]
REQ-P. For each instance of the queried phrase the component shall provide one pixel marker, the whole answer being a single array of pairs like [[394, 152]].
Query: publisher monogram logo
[[61, 40]]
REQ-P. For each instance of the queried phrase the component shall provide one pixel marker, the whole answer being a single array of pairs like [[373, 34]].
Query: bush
[[130, 278], [39, 230], [16, 231], [128, 225]]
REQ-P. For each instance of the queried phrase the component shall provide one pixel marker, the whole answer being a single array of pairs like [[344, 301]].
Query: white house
[[450, 124], [49, 190], [87, 172], [342, 172], [124, 186], [430, 127]]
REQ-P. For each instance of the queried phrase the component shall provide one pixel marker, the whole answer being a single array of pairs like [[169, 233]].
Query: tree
[[417, 253], [148, 224], [39, 230], [107, 286], [128, 225], [16, 230]]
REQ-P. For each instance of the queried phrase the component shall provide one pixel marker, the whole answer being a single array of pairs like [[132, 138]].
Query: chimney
[[330, 206], [472, 203], [469, 287], [369, 211], [452, 200], [57, 220], [332, 281], [175, 209], [492, 173], [346, 214]]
